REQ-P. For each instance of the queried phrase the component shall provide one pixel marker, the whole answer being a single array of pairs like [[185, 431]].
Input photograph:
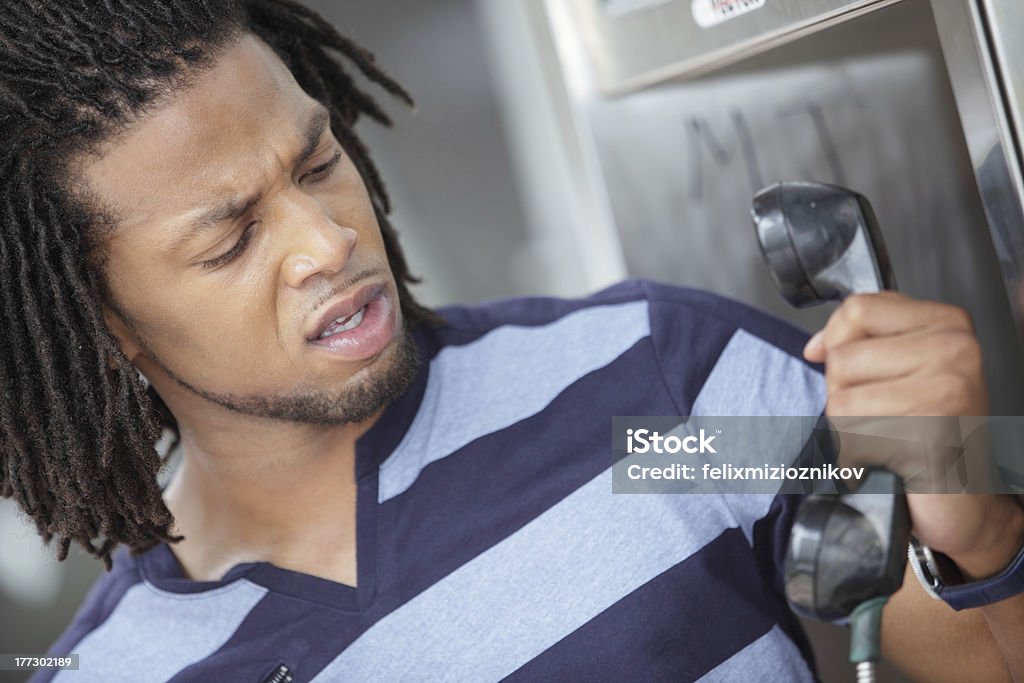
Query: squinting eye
[[232, 253], [321, 172]]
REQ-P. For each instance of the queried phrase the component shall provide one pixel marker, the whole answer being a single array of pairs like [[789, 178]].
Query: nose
[[317, 244]]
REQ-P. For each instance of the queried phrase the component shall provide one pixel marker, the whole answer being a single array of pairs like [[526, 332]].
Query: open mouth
[[344, 324], [352, 333]]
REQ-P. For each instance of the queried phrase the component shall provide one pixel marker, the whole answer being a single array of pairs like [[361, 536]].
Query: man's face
[[244, 233]]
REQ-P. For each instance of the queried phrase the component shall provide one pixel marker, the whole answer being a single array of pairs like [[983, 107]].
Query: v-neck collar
[[160, 567], [381, 439]]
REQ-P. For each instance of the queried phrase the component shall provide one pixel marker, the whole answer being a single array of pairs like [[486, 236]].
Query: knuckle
[[856, 309], [835, 320]]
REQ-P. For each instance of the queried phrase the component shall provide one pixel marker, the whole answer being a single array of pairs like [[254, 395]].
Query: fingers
[[879, 359], [924, 450], [876, 339], [933, 393], [884, 314]]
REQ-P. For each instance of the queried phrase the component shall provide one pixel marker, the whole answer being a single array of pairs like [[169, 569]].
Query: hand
[[889, 355]]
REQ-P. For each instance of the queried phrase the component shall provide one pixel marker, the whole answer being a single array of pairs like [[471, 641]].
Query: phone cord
[[866, 637]]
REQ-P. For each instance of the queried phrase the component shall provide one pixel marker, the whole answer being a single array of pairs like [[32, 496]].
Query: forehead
[[215, 138]]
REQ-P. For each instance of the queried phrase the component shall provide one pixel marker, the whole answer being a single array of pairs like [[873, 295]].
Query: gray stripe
[[753, 378], [506, 376], [772, 657], [152, 634], [524, 594], [509, 604]]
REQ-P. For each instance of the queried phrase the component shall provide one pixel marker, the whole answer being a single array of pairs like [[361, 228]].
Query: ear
[[122, 332]]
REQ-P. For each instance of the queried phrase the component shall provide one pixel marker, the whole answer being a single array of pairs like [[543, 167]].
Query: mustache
[[347, 284]]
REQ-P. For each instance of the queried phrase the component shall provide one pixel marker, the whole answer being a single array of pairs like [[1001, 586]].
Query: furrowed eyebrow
[[235, 208], [314, 131]]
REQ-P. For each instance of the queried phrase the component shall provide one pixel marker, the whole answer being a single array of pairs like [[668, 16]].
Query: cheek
[[196, 317], [142, 291], [226, 323]]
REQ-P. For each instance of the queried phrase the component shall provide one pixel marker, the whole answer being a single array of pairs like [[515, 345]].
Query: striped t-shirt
[[489, 542]]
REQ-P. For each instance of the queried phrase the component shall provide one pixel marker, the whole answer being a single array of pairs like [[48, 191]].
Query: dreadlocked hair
[[78, 426]]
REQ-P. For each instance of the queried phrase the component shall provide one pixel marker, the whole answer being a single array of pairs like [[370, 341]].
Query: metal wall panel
[[634, 43], [865, 103]]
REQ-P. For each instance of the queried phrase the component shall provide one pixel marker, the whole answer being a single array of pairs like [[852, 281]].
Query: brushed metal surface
[[865, 103], [651, 41], [978, 40]]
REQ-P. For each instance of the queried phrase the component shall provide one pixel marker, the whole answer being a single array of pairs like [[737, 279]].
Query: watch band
[[943, 581]]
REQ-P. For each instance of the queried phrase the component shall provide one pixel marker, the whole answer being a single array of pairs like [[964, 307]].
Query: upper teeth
[[343, 324]]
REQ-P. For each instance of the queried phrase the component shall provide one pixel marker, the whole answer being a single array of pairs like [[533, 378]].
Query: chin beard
[[357, 401]]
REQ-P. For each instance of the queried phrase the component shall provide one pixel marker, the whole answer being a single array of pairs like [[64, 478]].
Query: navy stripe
[[504, 377], [690, 329], [468, 323], [769, 659], [521, 596], [504, 480], [677, 627], [534, 448]]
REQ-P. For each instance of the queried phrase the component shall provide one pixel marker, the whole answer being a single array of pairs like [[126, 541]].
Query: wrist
[[1003, 540]]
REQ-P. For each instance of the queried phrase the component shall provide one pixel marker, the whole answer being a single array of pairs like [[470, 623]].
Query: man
[[370, 491]]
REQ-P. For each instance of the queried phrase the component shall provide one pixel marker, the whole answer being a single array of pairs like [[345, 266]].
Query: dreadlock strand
[[85, 417], [40, 337], [366, 167], [21, 433], [99, 343], [364, 60], [315, 37], [66, 315], [17, 329], [343, 88], [61, 426], [411, 308]]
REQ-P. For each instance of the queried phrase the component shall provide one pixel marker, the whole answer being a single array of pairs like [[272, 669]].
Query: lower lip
[[369, 338]]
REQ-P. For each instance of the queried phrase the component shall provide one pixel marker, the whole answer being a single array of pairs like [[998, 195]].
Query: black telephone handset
[[847, 553]]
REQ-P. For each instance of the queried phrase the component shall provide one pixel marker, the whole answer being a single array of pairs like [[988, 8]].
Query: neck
[[250, 489]]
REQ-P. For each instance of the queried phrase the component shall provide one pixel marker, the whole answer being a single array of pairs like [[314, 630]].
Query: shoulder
[[664, 305], [538, 311], [713, 315], [723, 357], [727, 354], [144, 621], [99, 603]]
